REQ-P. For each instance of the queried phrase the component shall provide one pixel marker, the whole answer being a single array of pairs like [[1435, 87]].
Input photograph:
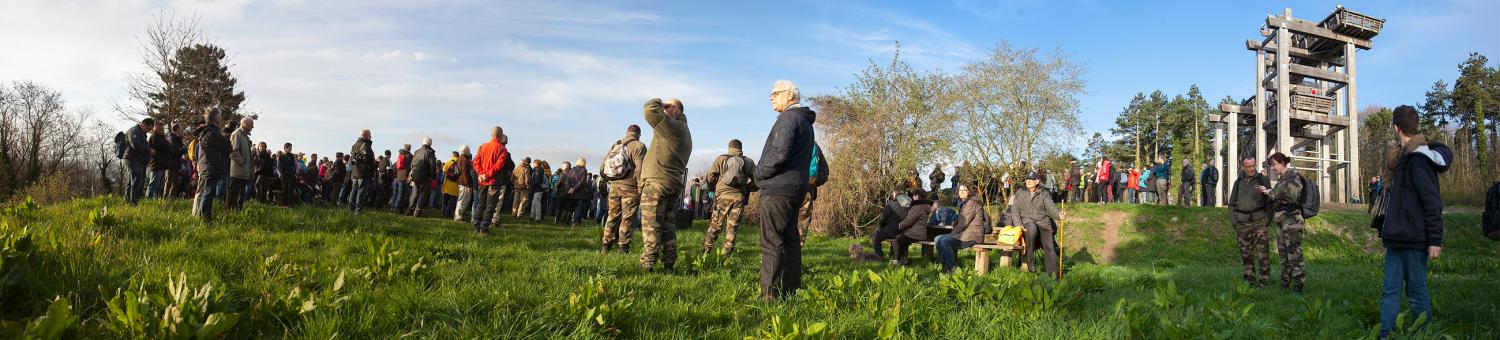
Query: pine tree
[[197, 79]]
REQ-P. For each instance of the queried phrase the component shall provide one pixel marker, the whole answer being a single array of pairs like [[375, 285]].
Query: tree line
[[54, 152]]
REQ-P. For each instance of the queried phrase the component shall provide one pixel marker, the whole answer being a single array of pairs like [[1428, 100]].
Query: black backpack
[[1491, 220], [122, 144], [1310, 198]]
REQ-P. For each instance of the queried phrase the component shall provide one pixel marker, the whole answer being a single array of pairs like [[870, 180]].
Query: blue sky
[[565, 78]]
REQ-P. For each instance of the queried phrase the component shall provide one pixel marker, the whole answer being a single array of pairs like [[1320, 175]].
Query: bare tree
[[1012, 106], [165, 35]]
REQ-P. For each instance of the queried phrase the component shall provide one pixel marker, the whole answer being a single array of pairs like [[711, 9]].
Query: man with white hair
[[241, 162], [783, 175], [423, 163], [661, 181]]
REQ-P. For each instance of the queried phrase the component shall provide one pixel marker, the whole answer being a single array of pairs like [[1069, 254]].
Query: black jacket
[[893, 213], [423, 161], [1210, 176], [914, 226], [787, 155], [164, 154], [265, 165], [213, 151], [363, 158], [286, 166], [1414, 205]]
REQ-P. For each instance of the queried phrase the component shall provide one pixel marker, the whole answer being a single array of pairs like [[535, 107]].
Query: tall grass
[[321, 273]]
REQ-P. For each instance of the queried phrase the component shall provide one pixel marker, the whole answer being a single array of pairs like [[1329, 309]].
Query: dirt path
[[1112, 222]]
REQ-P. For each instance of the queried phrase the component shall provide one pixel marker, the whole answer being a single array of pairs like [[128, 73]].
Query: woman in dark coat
[[914, 227]]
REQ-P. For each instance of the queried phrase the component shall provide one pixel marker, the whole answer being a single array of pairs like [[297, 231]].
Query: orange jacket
[[489, 160]]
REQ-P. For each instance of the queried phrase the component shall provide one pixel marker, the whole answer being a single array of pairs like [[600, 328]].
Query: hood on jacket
[[812, 117], [1439, 153], [736, 152]]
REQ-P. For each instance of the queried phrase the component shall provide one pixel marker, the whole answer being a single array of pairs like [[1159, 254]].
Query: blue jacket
[[1414, 204]]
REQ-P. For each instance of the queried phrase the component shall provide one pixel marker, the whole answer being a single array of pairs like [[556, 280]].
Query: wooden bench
[[981, 251]]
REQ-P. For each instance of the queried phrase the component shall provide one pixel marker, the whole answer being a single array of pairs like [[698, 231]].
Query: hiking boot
[[605, 248]]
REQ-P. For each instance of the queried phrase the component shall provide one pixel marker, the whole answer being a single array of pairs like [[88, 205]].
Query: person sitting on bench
[[914, 227], [969, 230], [1035, 212]]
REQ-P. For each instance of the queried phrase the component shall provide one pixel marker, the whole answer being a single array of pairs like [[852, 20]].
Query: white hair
[[787, 86], [426, 141], [247, 120]]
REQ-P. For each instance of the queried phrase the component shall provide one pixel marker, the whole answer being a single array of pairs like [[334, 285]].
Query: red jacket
[[489, 160], [1104, 172]]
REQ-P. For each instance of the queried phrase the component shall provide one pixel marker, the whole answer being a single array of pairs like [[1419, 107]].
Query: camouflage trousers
[[620, 221], [658, 225], [804, 217], [522, 203], [727, 213], [1289, 247], [1254, 252]]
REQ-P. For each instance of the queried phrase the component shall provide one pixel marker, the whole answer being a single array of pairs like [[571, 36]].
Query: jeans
[[399, 194], [947, 249], [357, 193], [137, 184], [420, 198], [203, 203], [156, 183], [580, 211], [538, 205], [1405, 269]]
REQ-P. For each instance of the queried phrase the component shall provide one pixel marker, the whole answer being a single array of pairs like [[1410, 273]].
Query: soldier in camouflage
[[661, 178], [624, 196], [730, 176], [1247, 211], [1287, 210]]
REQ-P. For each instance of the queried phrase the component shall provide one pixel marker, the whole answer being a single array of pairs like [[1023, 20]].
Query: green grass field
[[1133, 272]]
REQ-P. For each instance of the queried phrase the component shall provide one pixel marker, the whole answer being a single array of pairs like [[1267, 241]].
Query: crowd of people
[[647, 188], [635, 188]]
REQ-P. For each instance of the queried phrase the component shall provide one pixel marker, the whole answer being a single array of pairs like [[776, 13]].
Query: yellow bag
[[1009, 235]]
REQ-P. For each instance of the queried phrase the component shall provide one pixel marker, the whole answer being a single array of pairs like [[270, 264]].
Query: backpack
[[1491, 220], [812, 170], [734, 171], [617, 163], [1310, 198], [122, 145]]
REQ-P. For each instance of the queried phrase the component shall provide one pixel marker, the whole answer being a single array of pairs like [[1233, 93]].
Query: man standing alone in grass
[[662, 175], [1412, 232], [1247, 211], [782, 175]]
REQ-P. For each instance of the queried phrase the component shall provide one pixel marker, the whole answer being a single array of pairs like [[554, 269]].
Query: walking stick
[[1063, 209]]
